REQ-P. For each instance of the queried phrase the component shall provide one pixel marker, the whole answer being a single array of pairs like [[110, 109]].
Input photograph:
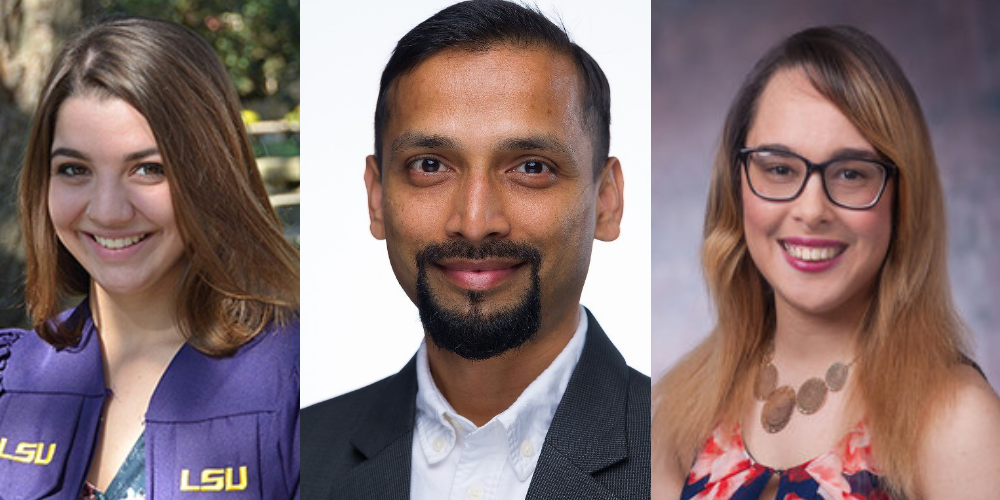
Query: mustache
[[462, 249], [475, 334]]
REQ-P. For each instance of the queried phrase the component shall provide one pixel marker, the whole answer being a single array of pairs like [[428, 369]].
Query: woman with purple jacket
[[178, 371]]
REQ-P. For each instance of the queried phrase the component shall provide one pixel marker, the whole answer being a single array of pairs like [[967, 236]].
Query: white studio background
[[357, 324]]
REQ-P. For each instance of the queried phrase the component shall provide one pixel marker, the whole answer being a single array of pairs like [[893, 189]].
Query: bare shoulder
[[959, 458]]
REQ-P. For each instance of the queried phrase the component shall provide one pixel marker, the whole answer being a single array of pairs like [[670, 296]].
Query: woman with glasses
[[838, 367], [175, 375]]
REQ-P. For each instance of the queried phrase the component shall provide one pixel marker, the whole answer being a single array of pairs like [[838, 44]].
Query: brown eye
[[71, 170], [427, 166], [533, 167], [149, 170]]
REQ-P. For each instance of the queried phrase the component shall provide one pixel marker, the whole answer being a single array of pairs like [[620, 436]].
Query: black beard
[[476, 335]]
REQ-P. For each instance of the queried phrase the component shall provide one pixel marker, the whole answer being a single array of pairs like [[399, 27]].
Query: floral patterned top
[[724, 469], [129, 482]]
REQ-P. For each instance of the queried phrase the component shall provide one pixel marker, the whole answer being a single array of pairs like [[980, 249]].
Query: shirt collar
[[525, 423]]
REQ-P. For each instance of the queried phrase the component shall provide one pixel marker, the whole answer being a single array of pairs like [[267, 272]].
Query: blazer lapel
[[384, 443], [589, 429]]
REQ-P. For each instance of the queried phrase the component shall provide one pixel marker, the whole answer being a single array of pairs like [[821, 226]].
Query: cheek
[[563, 228], [759, 219], [874, 227], [410, 225], [156, 205], [65, 205], [413, 221]]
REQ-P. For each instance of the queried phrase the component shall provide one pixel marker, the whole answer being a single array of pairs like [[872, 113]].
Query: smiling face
[[109, 199], [486, 163], [821, 259]]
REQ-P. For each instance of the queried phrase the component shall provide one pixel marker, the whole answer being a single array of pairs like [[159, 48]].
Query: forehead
[[499, 93], [792, 113], [99, 121]]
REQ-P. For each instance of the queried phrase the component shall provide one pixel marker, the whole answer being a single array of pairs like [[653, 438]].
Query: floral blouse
[[725, 470], [129, 482]]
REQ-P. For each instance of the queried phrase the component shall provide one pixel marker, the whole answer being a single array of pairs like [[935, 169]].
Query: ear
[[373, 183], [610, 201]]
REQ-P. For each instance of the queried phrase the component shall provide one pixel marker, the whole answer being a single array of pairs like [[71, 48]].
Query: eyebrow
[[865, 154], [858, 153], [541, 143], [411, 139], [73, 153]]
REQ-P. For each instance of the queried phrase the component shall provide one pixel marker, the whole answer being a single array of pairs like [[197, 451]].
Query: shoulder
[[277, 347], [347, 411], [639, 395], [30, 364], [639, 421], [272, 352], [958, 456], [262, 376], [11, 336], [8, 338], [603, 374], [340, 433]]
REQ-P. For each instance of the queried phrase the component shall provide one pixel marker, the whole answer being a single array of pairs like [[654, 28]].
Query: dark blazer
[[358, 446]]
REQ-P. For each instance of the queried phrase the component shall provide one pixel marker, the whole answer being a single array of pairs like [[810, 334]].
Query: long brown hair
[[910, 337], [241, 274]]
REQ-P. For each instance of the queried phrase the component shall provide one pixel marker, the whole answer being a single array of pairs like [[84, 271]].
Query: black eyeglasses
[[854, 183]]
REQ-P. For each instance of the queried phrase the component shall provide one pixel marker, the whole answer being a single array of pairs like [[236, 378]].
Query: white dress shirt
[[453, 459]]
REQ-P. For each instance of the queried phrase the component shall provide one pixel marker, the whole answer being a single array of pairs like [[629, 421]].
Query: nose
[[477, 209], [812, 207], [110, 204]]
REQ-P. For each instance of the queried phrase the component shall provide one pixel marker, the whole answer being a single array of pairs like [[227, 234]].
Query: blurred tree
[[30, 32], [258, 41]]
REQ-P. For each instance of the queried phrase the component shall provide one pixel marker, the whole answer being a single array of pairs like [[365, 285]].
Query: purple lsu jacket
[[224, 428]]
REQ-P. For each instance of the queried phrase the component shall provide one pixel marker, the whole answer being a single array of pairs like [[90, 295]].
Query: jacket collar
[[524, 423], [584, 437], [385, 441]]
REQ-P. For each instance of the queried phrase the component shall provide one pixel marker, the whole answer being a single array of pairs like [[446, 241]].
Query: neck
[[806, 342], [135, 325], [481, 390]]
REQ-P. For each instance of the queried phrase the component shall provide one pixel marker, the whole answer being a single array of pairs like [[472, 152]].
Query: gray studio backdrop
[[950, 50]]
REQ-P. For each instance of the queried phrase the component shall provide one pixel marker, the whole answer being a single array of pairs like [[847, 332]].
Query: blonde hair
[[241, 274], [910, 337]]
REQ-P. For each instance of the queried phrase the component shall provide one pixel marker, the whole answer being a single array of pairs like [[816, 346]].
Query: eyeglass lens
[[849, 182]]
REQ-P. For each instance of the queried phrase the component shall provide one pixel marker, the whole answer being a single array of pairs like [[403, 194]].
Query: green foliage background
[[257, 40]]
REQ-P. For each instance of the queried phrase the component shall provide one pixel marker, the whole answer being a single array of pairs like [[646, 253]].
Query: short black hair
[[480, 25]]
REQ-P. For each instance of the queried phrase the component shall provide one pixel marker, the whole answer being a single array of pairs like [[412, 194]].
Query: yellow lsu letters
[[28, 453], [215, 480]]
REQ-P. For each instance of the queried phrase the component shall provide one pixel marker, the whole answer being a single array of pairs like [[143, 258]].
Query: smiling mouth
[[478, 266], [813, 253], [119, 243], [479, 275]]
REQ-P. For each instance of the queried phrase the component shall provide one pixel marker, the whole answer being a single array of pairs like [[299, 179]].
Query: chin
[[122, 285], [818, 306]]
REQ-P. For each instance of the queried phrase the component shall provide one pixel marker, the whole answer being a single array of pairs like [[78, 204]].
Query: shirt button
[[474, 493], [438, 444], [527, 449]]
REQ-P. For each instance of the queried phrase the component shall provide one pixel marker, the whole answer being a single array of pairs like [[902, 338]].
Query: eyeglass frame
[[888, 168]]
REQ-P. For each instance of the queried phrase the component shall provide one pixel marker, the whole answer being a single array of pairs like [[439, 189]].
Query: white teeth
[[118, 243], [812, 254]]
